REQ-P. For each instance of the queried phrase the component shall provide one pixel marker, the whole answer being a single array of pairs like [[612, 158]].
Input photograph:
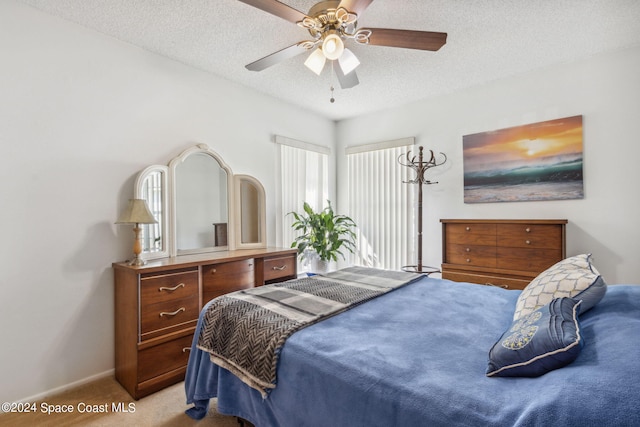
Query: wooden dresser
[[506, 253], [157, 307]]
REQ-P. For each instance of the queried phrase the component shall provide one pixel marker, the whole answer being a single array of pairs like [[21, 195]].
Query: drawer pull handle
[[164, 288], [497, 286], [468, 229], [213, 271], [468, 249], [468, 260], [185, 349], [528, 242], [279, 268], [528, 230], [164, 313]]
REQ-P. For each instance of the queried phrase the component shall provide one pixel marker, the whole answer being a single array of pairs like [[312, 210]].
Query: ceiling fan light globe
[[332, 47], [348, 61], [315, 61]]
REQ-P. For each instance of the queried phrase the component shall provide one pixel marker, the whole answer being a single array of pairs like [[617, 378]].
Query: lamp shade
[[137, 212], [315, 61], [332, 46], [348, 61]]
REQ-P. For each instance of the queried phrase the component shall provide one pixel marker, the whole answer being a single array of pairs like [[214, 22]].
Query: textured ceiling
[[487, 40]]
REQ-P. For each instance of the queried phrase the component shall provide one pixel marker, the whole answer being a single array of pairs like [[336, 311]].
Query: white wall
[[605, 89], [80, 115]]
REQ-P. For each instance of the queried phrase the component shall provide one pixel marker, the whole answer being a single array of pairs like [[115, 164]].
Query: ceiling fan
[[330, 23]]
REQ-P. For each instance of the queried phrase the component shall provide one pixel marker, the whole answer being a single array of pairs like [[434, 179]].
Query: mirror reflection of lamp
[[137, 212]]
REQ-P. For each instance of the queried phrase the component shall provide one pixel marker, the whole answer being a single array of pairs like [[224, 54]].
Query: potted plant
[[324, 235]]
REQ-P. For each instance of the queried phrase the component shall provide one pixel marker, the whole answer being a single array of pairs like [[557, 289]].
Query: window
[[382, 205], [304, 177]]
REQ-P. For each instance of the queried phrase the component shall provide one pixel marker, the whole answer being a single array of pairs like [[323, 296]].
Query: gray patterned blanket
[[244, 331]]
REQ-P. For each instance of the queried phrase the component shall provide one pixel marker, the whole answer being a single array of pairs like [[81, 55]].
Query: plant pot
[[319, 266]]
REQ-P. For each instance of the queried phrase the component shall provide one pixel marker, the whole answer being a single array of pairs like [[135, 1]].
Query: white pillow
[[573, 277]]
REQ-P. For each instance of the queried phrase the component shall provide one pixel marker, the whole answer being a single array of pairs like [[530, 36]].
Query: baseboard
[[61, 389]]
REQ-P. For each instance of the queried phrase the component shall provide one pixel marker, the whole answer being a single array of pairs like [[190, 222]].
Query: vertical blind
[[304, 177], [382, 205]]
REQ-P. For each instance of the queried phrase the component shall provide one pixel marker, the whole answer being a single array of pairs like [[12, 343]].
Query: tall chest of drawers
[[157, 307], [506, 253]]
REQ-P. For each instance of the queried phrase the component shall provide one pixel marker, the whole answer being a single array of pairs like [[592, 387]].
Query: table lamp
[[137, 212]]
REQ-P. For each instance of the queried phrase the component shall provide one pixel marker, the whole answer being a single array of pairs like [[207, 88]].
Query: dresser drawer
[[162, 358], [276, 268], [484, 256], [486, 279], [527, 259], [220, 279], [168, 286], [529, 235], [167, 314], [471, 234]]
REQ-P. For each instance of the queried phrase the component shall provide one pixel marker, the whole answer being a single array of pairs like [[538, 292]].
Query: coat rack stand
[[420, 166]]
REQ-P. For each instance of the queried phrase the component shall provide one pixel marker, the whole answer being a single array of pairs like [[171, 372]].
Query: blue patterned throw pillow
[[573, 277], [541, 341]]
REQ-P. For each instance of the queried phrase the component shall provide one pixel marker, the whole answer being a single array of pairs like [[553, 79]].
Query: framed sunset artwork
[[539, 161]]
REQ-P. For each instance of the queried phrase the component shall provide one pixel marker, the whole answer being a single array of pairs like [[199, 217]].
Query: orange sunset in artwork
[[539, 161]]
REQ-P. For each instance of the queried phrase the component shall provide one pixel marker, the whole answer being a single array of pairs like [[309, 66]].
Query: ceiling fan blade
[[276, 8], [279, 56], [355, 6], [409, 39], [346, 81]]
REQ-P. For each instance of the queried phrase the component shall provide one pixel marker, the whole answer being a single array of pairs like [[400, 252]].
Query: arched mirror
[[200, 206], [202, 189]]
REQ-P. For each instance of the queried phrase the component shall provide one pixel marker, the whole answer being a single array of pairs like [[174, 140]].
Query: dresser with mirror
[[209, 240]]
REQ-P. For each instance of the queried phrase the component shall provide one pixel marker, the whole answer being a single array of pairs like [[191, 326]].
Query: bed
[[418, 355]]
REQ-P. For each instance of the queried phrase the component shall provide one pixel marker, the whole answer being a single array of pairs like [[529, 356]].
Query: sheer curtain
[[382, 205], [303, 177]]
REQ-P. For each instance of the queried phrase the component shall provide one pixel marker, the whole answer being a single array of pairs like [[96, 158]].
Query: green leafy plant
[[323, 232]]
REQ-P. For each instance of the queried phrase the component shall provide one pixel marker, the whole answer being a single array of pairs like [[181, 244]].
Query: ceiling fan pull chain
[[332, 99]]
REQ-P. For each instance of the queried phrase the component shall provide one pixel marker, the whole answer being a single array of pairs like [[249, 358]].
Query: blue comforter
[[417, 357]]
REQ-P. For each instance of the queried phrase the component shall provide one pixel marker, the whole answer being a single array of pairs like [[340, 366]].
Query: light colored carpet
[[164, 408]]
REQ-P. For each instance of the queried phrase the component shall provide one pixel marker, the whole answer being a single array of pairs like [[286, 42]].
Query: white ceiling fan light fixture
[[315, 61], [332, 46], [332, 49], [348, 61]]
